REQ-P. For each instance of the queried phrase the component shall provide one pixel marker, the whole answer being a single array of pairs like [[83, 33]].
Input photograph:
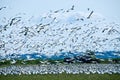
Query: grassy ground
[[62, 77]]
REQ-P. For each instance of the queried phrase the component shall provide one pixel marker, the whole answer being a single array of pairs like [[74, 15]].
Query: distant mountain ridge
[[61, 56]]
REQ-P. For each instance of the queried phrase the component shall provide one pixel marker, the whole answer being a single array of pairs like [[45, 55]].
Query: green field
[[62, 77]]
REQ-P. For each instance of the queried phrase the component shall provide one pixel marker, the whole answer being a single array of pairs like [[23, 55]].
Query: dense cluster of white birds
[[61, 68], [58, 31]]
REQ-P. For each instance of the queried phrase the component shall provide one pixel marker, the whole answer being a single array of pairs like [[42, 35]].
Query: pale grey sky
[[108, 8]]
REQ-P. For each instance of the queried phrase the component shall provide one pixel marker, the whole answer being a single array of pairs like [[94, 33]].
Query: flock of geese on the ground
[[61, 68]]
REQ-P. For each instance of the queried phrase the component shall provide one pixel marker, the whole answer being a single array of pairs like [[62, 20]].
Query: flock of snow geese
[[58, 31], [55, 32], [61, 68]]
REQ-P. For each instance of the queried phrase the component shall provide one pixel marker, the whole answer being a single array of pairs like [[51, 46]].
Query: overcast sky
[[108, 8]]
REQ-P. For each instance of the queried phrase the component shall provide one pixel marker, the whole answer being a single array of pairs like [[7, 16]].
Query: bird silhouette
[[88, 9], [73, 7], [90, 15], [2, 8], [12, 21]]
